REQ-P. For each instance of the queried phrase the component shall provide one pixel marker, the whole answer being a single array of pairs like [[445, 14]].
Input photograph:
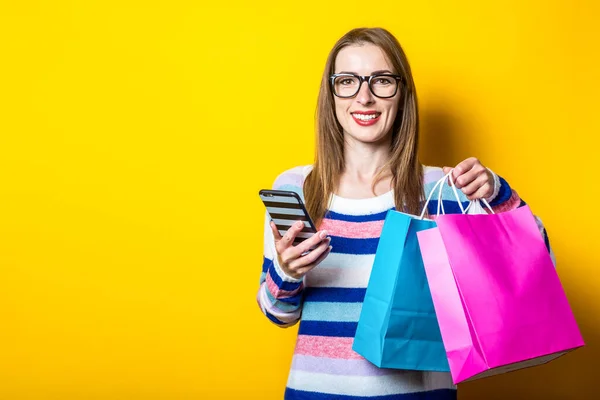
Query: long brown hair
[[407, 179]]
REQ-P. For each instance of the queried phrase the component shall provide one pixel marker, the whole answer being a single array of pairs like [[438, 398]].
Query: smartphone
[[285, 208]]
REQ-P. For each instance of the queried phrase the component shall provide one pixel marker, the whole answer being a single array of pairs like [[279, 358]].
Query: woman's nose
[[364, 95]]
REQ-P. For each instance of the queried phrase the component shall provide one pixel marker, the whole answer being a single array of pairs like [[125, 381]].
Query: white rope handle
[[440, 204], [429, 197], [484, 201], [440, 200]]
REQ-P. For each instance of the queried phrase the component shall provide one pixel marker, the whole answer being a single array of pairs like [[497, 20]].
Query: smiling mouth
[[366, 117]]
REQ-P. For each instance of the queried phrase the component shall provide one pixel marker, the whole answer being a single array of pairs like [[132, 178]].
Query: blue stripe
[[289, 304], [447, 192], [504, 193], [273, 319], [328, 328], [450, 207], [331, 294], [331, 311], [266, 264], [281, 284], [546, 239], [294, 300], [440, 394], [353, 246], [356, 218]]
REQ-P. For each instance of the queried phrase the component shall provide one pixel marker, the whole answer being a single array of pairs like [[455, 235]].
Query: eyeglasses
[[382, 85]]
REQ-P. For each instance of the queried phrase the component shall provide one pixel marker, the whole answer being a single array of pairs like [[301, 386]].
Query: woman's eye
[[383, 81]]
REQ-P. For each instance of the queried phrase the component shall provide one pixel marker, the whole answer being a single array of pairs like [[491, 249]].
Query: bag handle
[[440, 204], [484, 201]]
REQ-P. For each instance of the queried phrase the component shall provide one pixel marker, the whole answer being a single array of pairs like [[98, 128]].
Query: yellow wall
[[135, 135]]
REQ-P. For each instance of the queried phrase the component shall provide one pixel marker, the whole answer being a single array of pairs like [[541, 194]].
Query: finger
[[468, 177], [288, 239], [483, 192], [480, 183], [309, 243], [309, 258], [323, 256], [276, 234], [304, 270], [464, 166]]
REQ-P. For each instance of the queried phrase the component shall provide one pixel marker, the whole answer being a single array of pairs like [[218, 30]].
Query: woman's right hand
[[290, 257]]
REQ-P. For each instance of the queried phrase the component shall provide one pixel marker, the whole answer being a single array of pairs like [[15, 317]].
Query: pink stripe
[[324, 346], [278, 293], [509, 204], [356, 230]]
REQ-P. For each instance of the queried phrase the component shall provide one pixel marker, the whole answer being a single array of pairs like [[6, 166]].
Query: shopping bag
[[497, 295]]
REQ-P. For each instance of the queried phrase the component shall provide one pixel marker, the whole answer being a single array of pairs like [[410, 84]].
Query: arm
[[285, 264], [279, 296]]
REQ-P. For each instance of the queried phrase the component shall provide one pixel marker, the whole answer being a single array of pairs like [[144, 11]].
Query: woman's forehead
[[362, 59]]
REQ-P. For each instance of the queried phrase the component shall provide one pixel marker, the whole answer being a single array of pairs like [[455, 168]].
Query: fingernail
[[329, 248], [299, 224], [323, 234]]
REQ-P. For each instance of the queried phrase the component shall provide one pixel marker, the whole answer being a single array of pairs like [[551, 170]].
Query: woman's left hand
[[475, 180]]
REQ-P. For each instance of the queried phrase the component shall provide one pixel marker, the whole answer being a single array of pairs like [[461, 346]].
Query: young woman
[[366, 163]]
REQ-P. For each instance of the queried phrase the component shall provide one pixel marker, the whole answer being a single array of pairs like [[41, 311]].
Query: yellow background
[[135, 135]]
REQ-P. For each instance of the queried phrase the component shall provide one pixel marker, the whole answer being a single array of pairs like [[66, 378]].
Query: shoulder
[[292, 179], [432, 174]]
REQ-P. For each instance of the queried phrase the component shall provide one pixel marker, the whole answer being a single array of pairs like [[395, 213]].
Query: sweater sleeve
[[279, 295]]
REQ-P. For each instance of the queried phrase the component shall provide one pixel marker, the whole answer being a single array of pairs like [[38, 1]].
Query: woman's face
[[365, 117]]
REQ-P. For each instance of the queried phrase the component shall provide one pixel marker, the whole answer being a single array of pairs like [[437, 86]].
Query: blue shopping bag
[[397, 326]]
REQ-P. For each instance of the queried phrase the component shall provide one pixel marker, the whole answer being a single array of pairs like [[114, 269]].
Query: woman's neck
[[362, 163]]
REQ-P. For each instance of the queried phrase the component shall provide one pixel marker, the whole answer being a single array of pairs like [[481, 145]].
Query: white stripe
[[339, 277], [286, 211], [347, 261], [399, 382], [438, 380], [371, 205]]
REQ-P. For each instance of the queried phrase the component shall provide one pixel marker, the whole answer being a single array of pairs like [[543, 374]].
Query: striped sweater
[[327, 302]]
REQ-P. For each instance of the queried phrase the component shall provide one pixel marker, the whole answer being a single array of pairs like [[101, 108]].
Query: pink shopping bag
[[497, 296]]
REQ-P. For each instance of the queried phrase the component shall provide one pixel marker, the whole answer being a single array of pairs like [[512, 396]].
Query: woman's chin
[[368, 137]]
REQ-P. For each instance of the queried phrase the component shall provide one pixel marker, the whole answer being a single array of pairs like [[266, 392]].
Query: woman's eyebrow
[[381, 71]]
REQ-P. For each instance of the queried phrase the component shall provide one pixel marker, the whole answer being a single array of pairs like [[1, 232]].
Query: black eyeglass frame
[[364, 78]]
